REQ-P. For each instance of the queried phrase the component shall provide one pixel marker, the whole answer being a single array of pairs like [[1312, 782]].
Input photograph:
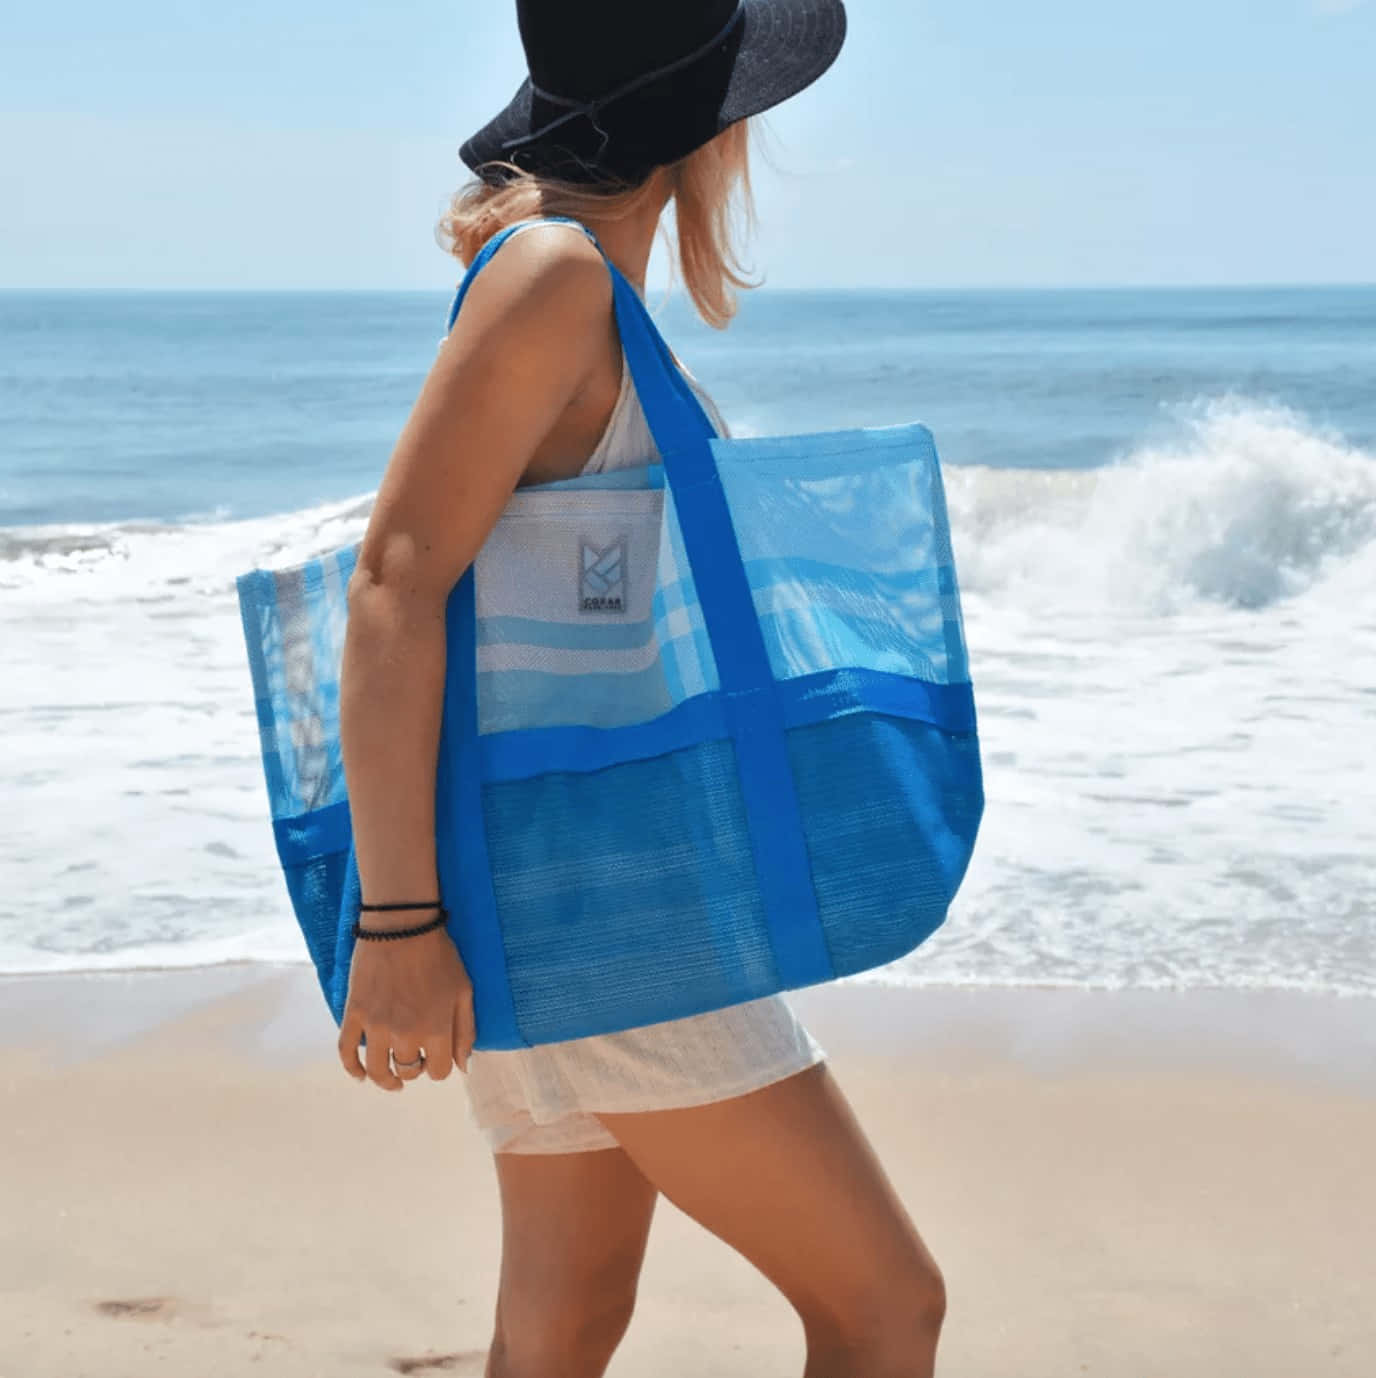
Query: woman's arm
[[520, 350]]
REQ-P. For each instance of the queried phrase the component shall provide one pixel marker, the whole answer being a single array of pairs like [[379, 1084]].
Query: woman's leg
[[786, 1176], [574, 1228]]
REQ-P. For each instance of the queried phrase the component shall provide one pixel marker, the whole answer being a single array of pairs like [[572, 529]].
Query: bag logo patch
[[601, 576]]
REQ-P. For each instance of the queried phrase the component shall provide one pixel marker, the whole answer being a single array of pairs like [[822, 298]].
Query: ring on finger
[[415, 1062]]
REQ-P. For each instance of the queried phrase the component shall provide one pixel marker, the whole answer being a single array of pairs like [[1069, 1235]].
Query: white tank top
[[627, 440]]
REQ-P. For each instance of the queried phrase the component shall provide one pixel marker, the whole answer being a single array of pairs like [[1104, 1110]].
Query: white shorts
[[543, 1099]]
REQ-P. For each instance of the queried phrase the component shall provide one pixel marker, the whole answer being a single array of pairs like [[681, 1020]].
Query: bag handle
[[682, 432], [750, 697], [684, 436]]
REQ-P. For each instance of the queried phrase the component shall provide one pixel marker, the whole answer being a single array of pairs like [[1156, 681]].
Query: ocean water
[[1164, 515]]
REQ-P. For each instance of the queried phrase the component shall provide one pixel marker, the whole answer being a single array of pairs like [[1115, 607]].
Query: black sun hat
[[617, 88]]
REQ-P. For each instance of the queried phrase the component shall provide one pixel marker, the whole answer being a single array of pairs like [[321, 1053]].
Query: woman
[[732, 1114]]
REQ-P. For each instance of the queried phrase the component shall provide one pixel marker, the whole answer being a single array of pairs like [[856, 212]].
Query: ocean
[[1163, 506]]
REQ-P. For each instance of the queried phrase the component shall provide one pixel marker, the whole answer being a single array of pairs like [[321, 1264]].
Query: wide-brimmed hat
[[616, 88]]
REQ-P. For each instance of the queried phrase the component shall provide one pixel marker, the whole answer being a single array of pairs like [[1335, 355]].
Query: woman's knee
[[571, 1338], [891, 1332]]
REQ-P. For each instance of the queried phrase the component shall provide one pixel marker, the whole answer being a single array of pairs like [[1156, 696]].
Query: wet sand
[[1126, 1184]]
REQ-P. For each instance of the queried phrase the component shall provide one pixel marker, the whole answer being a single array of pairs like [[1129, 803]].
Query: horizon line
[[677, 289]]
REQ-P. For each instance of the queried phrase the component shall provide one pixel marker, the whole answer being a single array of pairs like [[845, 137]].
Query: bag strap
[[684, 436], [682, 432], [750, 698]]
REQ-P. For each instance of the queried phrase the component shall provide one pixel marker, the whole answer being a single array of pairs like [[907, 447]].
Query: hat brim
[[785, 45]]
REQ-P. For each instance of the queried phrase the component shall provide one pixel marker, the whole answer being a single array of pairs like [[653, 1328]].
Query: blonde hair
[[700, 189]]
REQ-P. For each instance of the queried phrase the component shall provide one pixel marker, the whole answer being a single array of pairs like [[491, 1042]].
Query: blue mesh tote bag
[[708, 732]]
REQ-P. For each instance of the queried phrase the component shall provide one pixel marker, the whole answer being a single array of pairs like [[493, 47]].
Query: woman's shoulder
[[560, 278], [571, 238]]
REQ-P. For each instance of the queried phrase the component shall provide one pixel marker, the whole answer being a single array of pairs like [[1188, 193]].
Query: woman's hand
[[404, 995]]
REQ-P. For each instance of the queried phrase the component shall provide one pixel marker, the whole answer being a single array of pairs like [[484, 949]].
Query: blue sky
[[172, 143]]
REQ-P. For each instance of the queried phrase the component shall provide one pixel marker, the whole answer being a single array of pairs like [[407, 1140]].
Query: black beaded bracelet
[[437, 922]]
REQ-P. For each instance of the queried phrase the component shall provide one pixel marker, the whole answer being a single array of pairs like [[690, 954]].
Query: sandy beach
[[1125, 1184]]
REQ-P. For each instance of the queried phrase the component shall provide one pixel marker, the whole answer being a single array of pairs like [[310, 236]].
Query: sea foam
[[1174, 658]]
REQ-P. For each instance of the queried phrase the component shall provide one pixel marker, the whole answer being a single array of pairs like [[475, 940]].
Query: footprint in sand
[[150, 1309], [162, 1307], [467, 1361]]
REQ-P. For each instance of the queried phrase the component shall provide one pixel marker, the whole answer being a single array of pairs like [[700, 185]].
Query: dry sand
[[1119, 1184]]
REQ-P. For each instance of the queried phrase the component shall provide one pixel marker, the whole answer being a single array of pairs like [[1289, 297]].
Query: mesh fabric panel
[[619, 887], [315, 889], [613, 885], [890, 808], [294, 622], [845, 544], [573, 629]]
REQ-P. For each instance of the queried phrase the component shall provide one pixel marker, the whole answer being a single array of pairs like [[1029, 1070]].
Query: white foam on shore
[[1174, 660]]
